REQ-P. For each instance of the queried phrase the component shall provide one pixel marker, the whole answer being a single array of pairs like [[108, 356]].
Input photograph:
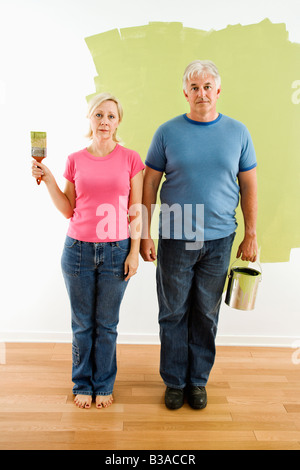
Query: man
[[208, 160]]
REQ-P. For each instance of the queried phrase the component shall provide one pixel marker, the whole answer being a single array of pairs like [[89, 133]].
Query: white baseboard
[[138, 339], [259, 341], [35, 337], [66, 337]]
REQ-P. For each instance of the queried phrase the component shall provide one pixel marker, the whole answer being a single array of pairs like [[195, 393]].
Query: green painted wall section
[[260, 71]]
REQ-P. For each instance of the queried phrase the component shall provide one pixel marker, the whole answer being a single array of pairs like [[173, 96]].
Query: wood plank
[[253, 403]]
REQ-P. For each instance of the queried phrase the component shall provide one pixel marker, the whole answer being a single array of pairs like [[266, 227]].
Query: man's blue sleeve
[[156, 157], [248, 156]]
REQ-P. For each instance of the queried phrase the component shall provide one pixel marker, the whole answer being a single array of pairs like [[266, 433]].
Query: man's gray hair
[[198, 67]]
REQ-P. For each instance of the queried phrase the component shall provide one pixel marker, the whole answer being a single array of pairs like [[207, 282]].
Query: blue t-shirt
[[201, 161]]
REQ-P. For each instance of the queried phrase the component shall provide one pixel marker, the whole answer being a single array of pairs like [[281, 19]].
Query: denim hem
[[197, 385], [79, 392], [102, 394], [177, 387]]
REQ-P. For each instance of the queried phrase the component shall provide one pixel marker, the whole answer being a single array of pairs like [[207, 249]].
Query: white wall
[[45, 73]]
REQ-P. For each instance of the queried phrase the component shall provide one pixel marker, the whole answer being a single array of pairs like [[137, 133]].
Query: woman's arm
[[135, 217], [63, 201]]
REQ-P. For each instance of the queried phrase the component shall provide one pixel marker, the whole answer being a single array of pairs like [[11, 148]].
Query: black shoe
[[197, 397], [174, 398]]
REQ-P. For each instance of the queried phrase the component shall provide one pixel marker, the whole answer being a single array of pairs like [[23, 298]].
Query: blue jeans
[[190, 284], [94, 277]]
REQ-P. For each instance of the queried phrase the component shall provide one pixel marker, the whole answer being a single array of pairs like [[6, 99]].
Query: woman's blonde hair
[[95, 102]]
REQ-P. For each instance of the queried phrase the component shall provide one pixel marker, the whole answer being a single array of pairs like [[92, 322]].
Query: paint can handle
[[255, 262]]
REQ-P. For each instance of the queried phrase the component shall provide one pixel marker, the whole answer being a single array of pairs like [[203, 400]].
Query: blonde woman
[[102, 182]]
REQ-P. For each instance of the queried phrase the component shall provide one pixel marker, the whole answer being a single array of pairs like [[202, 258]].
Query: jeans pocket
[[71, 257], [70, 242], [120, 252], [124, 245]]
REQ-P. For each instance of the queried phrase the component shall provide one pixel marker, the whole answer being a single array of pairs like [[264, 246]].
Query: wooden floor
[[253, 393]]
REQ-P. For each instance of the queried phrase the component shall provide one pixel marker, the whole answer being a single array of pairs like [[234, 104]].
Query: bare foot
[[83, 401], [104, 401]]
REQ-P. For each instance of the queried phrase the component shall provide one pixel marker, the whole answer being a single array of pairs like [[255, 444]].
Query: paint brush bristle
[[38, 144]]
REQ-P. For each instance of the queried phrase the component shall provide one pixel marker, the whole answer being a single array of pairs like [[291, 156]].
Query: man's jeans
[[190, 284], [94, 277]]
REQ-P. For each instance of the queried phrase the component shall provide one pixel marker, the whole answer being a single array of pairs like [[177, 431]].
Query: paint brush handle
[[39, 159]]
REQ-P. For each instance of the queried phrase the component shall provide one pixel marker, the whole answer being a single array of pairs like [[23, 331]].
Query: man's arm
[[248, 189], [152, 180]]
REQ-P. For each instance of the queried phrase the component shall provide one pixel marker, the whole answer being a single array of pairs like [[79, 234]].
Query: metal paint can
[[242, 287]]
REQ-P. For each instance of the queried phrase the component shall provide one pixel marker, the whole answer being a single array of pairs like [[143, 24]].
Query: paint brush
[[38, 147]]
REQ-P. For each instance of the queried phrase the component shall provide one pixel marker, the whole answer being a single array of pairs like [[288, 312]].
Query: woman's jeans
[[94, 277], [190, 284]]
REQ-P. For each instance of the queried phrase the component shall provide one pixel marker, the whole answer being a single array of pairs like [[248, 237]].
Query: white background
[[46, 71]]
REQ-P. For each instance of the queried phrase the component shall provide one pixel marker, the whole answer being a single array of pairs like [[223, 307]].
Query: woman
[[103, 181]]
